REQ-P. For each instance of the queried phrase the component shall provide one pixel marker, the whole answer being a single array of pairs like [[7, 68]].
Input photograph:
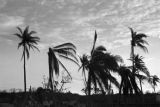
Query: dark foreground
[[50, 99]]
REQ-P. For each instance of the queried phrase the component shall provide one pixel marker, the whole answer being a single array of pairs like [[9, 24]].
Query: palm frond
[[65, 57], [100, 48], [65, 45], [100, 84], [34, 47], [18, 35], [94, 42], [54, 64], [110, 62], [20, 30], [64, 68], [66, 53], [35, 38], [113, 80], [142, 47], [20, 44], [32, 32], [65, 49], [25, 33], [118, 58], [141, 77], [141, 35]]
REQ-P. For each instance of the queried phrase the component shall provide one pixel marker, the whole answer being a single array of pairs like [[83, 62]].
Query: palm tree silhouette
[[27, 41], [66, 51], [128, 84], [140, 68], [137, 40], [84, 64], [153, 80], [99, 64]]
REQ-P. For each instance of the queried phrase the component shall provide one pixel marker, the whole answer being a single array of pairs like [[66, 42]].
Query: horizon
[[75, 21]]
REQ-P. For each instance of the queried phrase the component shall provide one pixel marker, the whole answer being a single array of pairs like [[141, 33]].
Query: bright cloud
[[10, 21]]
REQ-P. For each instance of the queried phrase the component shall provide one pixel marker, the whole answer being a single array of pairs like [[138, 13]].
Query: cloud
[[114, 44], [3, 3], [10, 21], [55, 32], [122, 42], [42, 46], [43, 2], [149, 59]]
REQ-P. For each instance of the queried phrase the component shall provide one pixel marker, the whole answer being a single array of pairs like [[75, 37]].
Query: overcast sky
[[59, 21]]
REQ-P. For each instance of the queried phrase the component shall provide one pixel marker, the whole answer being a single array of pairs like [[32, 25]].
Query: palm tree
[[66, 51], [153, 80], [27, 41], [137, 40], [125, 85], [99, 64], [128, 83], [85, 62], [140, 68]]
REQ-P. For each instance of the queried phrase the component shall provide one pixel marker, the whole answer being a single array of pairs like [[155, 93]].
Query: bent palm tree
[[99, 64], [125, 85], [128, 83], [27, 42], [66, 51]]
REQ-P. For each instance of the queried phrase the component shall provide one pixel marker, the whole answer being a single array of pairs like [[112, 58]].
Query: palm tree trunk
[[141, 85], [140, 82], [132, 56], [120, 88], [89, 84], [109, 87], [133, 67], [50, 72], [24, 68]]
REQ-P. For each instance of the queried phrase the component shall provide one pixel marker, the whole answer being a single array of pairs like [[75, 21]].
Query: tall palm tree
[[66, 51], [27, 41], [140, 68], [153, 80], [137, 40], [99, 64]]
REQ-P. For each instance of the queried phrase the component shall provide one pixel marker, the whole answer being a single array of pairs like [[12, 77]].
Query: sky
[[60, 21]]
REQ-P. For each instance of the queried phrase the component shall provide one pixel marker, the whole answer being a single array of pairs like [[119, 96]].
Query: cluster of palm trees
[[98, 68]]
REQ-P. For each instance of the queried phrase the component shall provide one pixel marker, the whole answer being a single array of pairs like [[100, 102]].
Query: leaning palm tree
[[140, 68], [66, 51], [137, 40], [125, 84], [153, 80], [128, 83], [99, 64], [27, 41]]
